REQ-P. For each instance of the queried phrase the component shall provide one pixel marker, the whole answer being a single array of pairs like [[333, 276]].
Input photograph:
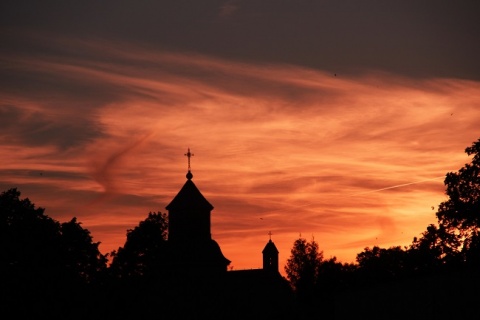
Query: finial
[[189, 173], [270, 235]]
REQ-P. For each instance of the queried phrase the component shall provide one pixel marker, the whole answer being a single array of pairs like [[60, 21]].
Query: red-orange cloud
[[349, 161]]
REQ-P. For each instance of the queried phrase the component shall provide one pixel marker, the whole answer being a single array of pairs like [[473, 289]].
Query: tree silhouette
[[335, 276], [460, 214], [380, 265], [145, 251], [303, 267], [81, 255], [434, 249], [29, 241], [45, 266]]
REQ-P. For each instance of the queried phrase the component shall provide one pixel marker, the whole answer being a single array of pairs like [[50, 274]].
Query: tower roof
[[270, 247], [189, 197]]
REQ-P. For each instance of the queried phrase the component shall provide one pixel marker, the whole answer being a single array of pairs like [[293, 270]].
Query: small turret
[[270, 256]]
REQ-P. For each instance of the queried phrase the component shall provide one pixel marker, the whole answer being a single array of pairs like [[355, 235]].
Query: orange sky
[[97, 129]]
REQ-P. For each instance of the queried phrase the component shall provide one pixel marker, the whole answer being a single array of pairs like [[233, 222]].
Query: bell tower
[[270, 256], [189, 213], [189, 229]]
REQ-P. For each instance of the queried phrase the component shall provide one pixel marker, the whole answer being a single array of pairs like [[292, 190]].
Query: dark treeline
[[55, 270], [435, 277]]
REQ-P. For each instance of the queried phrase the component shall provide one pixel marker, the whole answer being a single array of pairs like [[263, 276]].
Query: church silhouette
[[190, 239], [198, 257]]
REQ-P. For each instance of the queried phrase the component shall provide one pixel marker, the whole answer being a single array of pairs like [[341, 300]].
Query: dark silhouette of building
[[190, 239], [197, 256], [270, 256], [192, 247]]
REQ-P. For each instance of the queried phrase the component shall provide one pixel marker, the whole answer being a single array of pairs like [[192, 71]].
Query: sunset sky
[[330, 120]]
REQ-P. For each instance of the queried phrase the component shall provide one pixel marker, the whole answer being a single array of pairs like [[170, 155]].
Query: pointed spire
[[189, 196], [270, 256]]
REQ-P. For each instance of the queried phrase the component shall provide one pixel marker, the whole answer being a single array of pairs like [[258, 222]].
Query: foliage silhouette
[[303, 267], [460, 214], [35, 245], [45, 266], [335, 276], [29, 240], [433, 250], [380, 265], [145, 251], [81, 255]]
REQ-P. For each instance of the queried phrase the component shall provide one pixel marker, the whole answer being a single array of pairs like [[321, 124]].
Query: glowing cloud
[[277, 148]]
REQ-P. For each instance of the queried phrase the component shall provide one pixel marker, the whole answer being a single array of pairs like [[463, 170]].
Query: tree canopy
[[460, 214], [303, 266], [39, 248], [145, 249]]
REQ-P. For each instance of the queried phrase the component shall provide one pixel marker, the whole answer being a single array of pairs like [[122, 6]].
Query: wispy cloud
[[353, 161]]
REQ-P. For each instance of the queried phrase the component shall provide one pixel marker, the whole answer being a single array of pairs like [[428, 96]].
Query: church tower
[[270, 256], [193, 249], [189, 213]]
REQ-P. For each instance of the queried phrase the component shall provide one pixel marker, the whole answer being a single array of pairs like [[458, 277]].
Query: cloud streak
[[399, 186], [278, 147]]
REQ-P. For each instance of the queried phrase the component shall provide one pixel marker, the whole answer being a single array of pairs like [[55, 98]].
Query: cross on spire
[[270, 234], [189, 173], [189, 155]]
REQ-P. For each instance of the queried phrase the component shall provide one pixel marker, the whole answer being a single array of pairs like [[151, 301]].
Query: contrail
[[397, 186], [351, 195]]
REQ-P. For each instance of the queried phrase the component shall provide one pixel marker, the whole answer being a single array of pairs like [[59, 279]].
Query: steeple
[[189, 229], [270, 256], [189, 212]]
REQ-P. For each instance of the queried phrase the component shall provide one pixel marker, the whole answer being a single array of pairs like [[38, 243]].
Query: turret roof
[[189, 197], [270, 247]]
